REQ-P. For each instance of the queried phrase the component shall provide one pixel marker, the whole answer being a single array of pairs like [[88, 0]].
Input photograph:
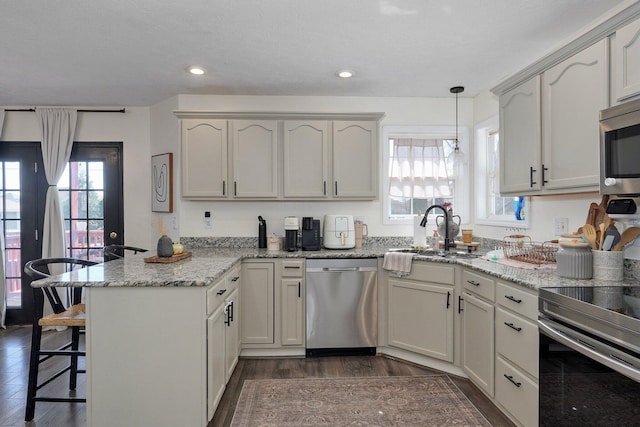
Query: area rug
[[432, 400]]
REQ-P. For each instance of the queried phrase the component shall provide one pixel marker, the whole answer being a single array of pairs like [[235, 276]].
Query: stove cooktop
[[620, 299], [609, 312]]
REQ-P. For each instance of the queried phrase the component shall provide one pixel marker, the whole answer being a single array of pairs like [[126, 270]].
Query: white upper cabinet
[[305, 145], [573, 93], [520, 138], [279, 156], [355, 160], [255, 158], [626, 54], [204, 158]]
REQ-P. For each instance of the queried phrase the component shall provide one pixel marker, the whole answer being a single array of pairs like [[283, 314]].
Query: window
[[422, 169], [491, 208]]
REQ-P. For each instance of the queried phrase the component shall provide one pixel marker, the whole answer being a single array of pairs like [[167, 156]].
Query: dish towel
[[399, 263]]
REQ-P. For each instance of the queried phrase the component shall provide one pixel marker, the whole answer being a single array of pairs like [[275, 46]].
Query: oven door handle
[[557, 332]]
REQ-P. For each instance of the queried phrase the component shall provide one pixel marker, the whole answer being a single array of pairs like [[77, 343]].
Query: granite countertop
[[207, 265]]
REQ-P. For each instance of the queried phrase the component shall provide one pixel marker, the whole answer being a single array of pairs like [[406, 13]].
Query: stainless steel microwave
[[620, 149]]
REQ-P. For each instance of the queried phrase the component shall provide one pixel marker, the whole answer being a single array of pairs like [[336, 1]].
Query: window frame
[[462, 190], [482, 132]]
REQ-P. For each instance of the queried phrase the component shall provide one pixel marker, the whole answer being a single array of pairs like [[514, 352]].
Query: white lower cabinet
[[258, 299], [478, 341], [516, 356], [421, 318], [273, 300], [164, 359], [216, 372], [517, 393], [292, 295], [223, 344]]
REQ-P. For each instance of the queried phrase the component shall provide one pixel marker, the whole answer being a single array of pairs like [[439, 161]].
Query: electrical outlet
[[174, 223], [561, 226], [208, 220]]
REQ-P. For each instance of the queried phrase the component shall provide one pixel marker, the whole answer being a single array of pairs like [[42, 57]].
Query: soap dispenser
[[262, 232]]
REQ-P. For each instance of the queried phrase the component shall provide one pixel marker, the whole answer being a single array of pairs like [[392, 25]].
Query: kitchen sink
[[437, 253]]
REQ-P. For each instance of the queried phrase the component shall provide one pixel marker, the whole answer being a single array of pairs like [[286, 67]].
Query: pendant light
[[456, 90]]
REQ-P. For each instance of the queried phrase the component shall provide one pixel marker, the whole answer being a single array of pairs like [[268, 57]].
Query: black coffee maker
[[310, 234]]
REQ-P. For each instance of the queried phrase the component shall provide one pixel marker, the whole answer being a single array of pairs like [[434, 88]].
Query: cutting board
[[172, 258]]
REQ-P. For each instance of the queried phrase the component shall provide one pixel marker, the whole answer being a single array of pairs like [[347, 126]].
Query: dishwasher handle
[[339, 269]]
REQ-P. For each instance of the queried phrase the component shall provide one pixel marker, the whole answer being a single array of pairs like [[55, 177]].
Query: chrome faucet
[[448, 243]]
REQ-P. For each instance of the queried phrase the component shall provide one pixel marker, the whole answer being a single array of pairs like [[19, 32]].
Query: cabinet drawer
[[479, 284], [294, 268], [517, 340], [216, 295], [233, 279], [431, 272], [517, 300], [516, 393]]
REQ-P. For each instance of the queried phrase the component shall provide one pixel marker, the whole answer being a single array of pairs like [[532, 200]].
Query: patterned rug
[[432, 400]]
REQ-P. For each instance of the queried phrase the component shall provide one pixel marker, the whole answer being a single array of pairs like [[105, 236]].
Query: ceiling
[[134, 52]]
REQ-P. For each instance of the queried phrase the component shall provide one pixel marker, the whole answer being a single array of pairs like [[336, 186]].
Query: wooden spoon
[[589, 233], [628, 236]]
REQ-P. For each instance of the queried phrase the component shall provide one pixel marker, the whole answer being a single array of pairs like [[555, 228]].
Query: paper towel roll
[[419, 233]]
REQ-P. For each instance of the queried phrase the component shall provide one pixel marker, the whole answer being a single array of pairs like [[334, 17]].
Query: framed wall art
[[162, 182]]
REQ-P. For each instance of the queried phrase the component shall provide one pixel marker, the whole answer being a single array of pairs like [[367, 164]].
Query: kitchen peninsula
[[151, 352]]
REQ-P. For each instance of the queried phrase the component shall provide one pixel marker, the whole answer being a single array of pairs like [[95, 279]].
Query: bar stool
[[118, 251], [72, 316]]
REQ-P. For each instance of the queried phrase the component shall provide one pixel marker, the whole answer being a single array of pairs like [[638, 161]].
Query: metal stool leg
[[34, 359], [73, 373]]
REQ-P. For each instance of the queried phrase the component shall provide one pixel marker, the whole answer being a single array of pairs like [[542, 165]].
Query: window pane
[[78, 204], [96, 175], [96, 206]]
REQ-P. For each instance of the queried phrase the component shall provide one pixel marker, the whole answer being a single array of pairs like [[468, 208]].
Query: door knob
[[113, 234]]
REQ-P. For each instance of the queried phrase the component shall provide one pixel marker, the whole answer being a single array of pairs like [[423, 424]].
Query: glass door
[[91, 195]]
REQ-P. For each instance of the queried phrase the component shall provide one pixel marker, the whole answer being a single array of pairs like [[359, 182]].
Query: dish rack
[[521, 248]]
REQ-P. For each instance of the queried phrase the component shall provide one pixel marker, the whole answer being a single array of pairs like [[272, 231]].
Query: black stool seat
[[71, 315]]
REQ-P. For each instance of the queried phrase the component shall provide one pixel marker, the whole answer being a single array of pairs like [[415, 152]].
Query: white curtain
[[419, 169], [58, 127], [3, 279]]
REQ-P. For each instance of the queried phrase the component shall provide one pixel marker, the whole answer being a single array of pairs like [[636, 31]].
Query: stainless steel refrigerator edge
[[342, 306]]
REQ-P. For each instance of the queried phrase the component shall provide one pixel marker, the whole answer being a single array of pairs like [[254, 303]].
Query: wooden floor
[[14, 366]]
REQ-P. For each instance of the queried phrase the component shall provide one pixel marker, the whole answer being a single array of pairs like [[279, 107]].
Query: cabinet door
[[257, 296], [574, 92], [232, 333], [292, 332], [355, 159], [204, 158], [627, 65], [520, 138], [216, 371], [478, 342], [421, 318], [305, 158], [255, 158]]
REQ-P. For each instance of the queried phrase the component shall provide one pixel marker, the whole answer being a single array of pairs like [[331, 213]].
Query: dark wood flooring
[[14, 366]]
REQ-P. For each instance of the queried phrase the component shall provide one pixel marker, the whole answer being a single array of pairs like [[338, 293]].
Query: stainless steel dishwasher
[[342, 306]]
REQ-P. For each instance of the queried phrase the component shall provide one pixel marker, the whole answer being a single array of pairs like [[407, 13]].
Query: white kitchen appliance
[[339, 232]]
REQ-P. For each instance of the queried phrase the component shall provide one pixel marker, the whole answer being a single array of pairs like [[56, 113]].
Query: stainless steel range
[[589, 356]]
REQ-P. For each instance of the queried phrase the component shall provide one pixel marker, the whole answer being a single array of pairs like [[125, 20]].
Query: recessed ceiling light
[[198, 71], [344, 74]]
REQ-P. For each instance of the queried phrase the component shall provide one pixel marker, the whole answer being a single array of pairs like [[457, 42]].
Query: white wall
[[132, 128]]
